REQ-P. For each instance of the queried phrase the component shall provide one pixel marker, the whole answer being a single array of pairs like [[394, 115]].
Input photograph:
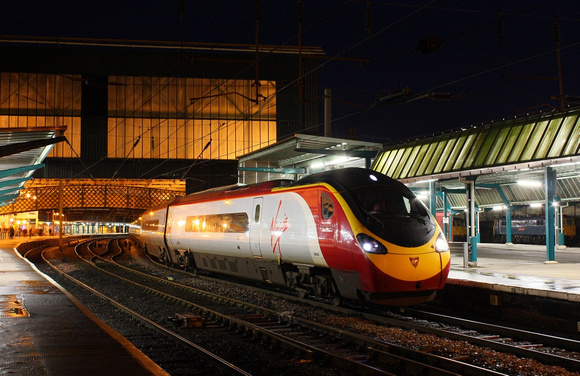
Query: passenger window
[[234, 222], [257, 214], [327, 206], [240, 222]]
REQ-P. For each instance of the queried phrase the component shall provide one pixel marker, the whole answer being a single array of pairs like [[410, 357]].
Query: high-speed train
[[342, 234]]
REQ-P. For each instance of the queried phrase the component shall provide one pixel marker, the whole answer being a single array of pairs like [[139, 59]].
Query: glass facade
[[148, 117], [30, 100], [188, 118]]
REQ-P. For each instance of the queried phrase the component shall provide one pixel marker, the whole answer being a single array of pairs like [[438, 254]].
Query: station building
[[112, 128]]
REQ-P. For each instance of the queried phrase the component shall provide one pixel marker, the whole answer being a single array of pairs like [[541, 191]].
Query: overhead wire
[[290, 84], [500, 67], [263, 56]]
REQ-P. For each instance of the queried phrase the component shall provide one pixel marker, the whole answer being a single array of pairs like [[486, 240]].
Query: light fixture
[[339, 160], [422, 195], [335, 161], [529, 183]]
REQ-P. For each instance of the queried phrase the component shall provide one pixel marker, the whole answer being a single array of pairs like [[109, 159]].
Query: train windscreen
[[396, 215]]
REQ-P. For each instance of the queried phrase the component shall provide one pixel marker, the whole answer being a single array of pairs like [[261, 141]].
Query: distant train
[[342, 234], [458, 232], [530, 230]]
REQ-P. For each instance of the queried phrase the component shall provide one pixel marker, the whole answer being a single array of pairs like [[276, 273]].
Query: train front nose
[[408, 269]]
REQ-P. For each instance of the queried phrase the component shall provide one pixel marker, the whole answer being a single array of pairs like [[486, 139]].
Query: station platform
[[520, 269], [46, 332]]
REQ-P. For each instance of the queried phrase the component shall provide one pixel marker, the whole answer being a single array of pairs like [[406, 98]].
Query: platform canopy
[[303, 154], [22, 151], [501, 153]]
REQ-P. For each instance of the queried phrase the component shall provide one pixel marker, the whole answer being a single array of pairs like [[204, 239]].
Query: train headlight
[[441, 244], [370, 245]]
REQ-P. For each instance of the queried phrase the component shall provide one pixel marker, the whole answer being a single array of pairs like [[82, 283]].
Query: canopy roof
[[22, 151], [492, 147]]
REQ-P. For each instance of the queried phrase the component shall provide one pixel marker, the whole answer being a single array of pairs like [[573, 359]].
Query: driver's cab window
[[327, 206]]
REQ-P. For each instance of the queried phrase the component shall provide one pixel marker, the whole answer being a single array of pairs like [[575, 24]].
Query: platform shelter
[[513, 164]]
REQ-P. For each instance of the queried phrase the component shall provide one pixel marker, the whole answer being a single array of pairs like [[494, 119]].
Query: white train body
[[278, 214]]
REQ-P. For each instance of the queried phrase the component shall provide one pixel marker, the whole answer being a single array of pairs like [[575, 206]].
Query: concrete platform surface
[[520, 268], [43, 333]]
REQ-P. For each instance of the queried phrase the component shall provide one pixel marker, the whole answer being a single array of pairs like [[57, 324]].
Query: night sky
[[482, 66]]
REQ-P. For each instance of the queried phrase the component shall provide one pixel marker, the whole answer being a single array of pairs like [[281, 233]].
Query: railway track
[[546, 349], [311, 341], [157, 338], [352, 351], [308, 341], [338, 350]]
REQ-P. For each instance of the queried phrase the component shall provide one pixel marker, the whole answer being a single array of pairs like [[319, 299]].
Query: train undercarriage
[[305, 280]]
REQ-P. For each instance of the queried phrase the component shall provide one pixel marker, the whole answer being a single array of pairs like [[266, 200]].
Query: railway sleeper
[[253, 318], [492, 337], [188, 320], [531, 346]]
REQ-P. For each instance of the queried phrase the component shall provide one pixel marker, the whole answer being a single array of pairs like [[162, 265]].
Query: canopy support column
[[432, 199], [550, 185], [471, 221]]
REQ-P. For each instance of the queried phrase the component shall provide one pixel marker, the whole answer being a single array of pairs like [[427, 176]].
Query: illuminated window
[[29, 100], [148, 117], [234, 222], [156, 117], [151, 225]]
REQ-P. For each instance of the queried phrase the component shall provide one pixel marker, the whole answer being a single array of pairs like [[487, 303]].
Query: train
[[344, 234], [525, 230], [531, 230], [459, 233]]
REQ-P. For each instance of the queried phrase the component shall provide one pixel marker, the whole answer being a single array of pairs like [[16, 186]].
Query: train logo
[[277, 228]]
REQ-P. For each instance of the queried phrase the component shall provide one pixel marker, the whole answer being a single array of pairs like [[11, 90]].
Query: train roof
[[346, 178], [351, 178], [230, 190]]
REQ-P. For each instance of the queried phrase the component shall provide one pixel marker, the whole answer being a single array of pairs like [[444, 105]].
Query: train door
[[327, 229], [255, 228], [168, 227]]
